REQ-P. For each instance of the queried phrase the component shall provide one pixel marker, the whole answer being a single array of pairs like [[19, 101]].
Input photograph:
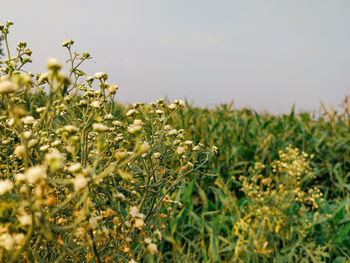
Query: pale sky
[[265, 54]]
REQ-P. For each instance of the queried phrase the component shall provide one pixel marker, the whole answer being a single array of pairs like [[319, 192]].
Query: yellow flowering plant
[[80, 181]]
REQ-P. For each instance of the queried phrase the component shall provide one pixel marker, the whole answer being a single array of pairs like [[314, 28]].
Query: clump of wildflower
[[7, 87], [99, 127], [5, 186], [55, 159], [35, 174], [80, 182]]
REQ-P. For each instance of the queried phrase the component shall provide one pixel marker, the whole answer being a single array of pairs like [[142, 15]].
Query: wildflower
[[117, 123], [120, 196], [132, 261], [55, 159], [10, 122], [195, 148], [93, 221], [188, 142], [144, 147], [148, 240], [172, 106], [135, 127], [152, 248], [79, 182], [25, 219], [6, 241], [20, 177], [131, 112], [113, 89], [100, 75], [5, 186], [40, 109], [108, 117], [71, 128], [19, 151], [160, 112], [139, 223], [18, 238], [180, 150], [74, 168], [7, 87], [95, 104], [53, 64], [27, 134], [159, 234], [156, 155], [43, 78], [44, 148], [134, 211], [35, 174], [99, 127], [28, 120]]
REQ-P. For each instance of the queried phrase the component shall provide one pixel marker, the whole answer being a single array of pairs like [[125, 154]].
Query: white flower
[[19, 151], [44, 148], [156, 155], [172, 132], [6, 241], [71, 128], [19, 238], [135, 127], [152, 248], [53, 64], [139, 223], [120, 196], [180, 150], [99, 127], [27, 134], [5, 186], [28, 120], [132, 261], [181, 103], [131, 112], [144, 147], [134, 211], [93, 221], [43, 77], [108, 117], [160, 112], [113, 89], [55, 159], [195, 148], [188, 142], [25, 219], [20, 177], [35, 174], [100, 75], [148, 240], [159, 234], [172, 106], [95, 104], [80, 182], [10, 122], [74, 168], [117, 123], [7, 87]]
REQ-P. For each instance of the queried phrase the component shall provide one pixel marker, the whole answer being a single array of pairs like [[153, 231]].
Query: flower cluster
[[81, 179]]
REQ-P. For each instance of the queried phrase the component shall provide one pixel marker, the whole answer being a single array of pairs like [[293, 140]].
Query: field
[[86, 179]]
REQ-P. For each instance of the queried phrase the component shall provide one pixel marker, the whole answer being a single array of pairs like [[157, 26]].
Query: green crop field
[[86, 179]]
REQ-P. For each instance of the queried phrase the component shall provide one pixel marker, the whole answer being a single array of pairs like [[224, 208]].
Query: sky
[[262, 54]]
